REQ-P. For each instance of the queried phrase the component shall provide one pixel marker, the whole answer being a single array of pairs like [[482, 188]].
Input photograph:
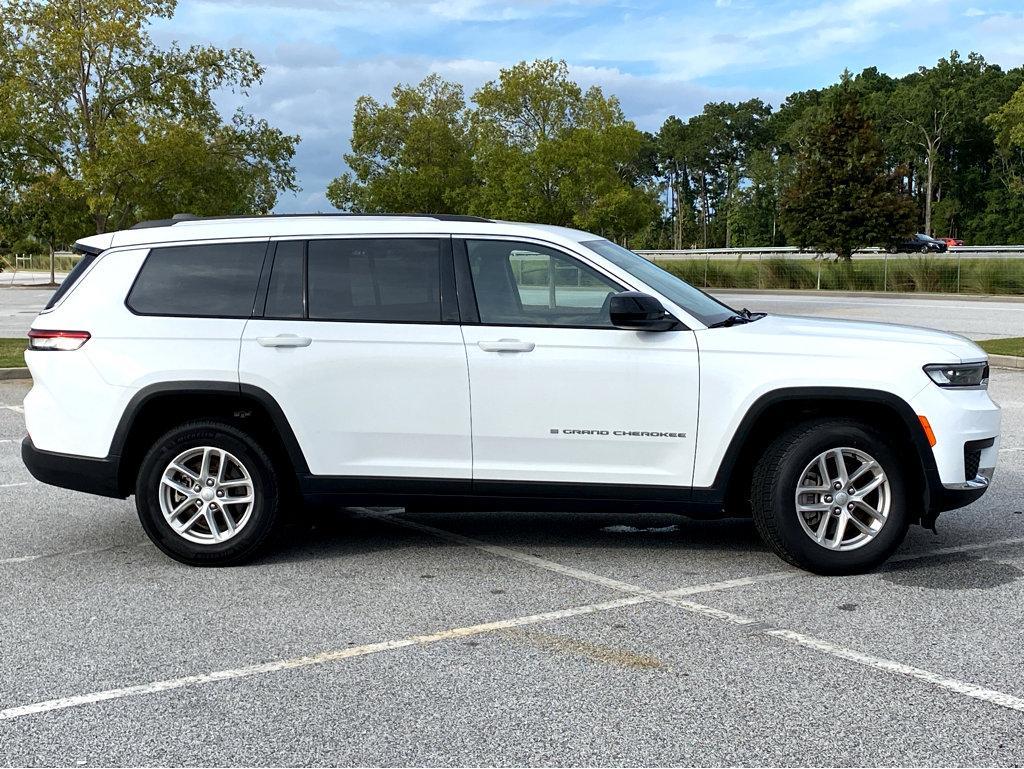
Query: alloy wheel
[[843, 499], [206, 495]]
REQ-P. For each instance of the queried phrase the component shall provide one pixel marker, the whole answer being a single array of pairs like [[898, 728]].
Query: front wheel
[[829, 496], [208, 495]]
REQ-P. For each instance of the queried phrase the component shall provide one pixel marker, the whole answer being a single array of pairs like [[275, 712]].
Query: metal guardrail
[[792, 252]]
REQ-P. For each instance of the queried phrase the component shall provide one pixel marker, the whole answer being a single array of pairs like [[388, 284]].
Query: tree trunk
[[928, 193], [53, 273], [704, 206]]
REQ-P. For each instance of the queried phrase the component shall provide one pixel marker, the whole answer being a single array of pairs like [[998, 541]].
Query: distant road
[[974, 318]]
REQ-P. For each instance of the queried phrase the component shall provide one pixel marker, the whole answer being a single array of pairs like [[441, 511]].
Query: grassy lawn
[[11, 352], [1014, 346]]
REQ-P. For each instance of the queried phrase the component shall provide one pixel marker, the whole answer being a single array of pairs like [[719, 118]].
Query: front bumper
[[966, 425], [88, 474]]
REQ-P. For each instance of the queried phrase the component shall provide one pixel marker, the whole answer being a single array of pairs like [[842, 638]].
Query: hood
[[831, 337]]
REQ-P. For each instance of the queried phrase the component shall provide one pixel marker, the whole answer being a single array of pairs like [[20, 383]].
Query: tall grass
[[897, 274]]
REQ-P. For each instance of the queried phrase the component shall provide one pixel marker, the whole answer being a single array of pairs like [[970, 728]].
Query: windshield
[[701, 306]]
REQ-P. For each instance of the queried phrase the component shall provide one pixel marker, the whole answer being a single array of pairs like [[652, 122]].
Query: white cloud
[[659, 57]]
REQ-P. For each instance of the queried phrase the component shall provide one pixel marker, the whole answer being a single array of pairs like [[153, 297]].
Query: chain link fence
[[961, 270]]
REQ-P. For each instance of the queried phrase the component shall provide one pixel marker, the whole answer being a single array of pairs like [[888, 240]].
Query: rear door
[[558, 394], [360, 345]]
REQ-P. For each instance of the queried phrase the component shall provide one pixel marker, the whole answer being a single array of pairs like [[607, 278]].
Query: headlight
[[961, 375]]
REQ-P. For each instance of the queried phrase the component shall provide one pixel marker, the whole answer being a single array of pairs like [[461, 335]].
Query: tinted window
[[284, 294], [523, 284], [200, 281], [396, 280], [703, 307], [68, 283]]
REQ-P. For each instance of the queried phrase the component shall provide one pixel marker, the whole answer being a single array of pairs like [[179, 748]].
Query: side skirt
[[465, 495]]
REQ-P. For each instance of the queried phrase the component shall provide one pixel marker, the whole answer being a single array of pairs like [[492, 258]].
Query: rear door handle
[[506, 345], [284, 340]]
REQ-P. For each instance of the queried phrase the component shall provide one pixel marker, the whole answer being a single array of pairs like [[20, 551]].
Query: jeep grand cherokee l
[[226, 370]]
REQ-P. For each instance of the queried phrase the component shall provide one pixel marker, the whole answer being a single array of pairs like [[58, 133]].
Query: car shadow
[[342, 532]]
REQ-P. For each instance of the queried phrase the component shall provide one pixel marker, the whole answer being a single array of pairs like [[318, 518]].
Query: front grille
[[972, 456]]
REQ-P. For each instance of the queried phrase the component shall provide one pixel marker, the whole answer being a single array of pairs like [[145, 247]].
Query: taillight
[[42, 339]]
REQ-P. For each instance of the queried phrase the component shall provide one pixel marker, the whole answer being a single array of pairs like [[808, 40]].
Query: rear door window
[[285, 297], [396, 280], [204, 281]]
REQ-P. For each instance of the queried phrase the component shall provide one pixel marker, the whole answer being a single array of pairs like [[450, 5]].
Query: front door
[[368, 367], [558, 393]]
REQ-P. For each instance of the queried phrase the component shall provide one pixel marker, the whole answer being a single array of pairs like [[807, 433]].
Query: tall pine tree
[[842, 196]]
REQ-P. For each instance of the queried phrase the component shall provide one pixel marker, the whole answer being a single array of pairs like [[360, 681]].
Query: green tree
[[549, 152], [51, 212], [131, 128], [712, 151], [413, 155], [842, 197]]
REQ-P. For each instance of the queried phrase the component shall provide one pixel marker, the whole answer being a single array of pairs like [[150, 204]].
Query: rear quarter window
[[204, 281], [68, 283]]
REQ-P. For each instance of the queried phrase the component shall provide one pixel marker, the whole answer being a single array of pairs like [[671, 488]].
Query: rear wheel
[[829, 496], [208, 495]]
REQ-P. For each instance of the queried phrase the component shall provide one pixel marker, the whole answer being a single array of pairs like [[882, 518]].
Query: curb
[[1006, 361], [14, 373]]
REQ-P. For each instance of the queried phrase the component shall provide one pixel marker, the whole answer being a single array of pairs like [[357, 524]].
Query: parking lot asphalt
[[384, 638], [19, 307]]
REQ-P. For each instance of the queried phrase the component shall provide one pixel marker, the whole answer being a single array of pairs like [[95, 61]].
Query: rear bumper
[[88, 474]]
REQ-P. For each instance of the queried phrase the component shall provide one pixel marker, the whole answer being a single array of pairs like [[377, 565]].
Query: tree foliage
[[842, 197], [533, 146], [98, 115], [413, 155]]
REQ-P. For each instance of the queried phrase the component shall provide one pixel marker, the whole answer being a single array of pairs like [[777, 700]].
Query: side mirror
[[636, 311]]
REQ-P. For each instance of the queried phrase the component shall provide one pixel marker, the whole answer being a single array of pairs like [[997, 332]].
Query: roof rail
[[179, 218]]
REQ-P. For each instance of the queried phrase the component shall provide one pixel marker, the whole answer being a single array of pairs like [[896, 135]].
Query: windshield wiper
[[743, 316]]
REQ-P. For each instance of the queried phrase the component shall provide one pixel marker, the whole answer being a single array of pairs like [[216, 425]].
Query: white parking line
[[826, 647], [879, 663], [17, 409], [87, 551], [13, 485], [558, 568], [156, 687], [970, 547], [638, 596]]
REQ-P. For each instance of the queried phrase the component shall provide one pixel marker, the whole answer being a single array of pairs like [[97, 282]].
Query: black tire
[[266, 512], [774, 485]]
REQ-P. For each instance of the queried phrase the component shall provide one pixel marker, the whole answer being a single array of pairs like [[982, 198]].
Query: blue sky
[[659, 57]]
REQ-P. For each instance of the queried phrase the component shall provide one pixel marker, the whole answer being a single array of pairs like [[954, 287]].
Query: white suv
[[226, 370]]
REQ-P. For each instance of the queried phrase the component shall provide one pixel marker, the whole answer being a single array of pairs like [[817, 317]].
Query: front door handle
[[284, 340], [506, 345]]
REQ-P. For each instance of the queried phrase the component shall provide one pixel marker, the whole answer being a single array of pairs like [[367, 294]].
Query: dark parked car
[[919, 243]]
